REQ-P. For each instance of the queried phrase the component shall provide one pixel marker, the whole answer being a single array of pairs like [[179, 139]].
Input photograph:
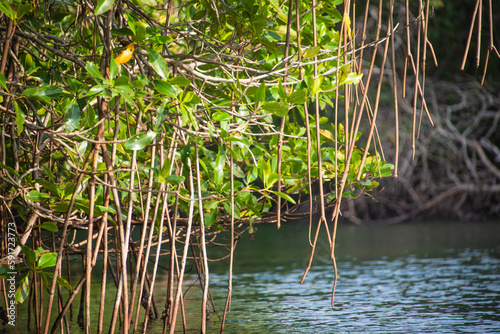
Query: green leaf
[[349, 194], [252, 175], [281, 32], [94, 71], [210, 217], [9, 169], [190, 98], [49, 92], [20, 119], [49, 185], [311, 52], [217, 227], [36, 196], [6, 8], [23, 290], [113, 70], [352, 78], [272, 178], [271, 36], [165, 88], [29, 254], [122, 32], [62, 282], [265, 170], [327, 134], [281, 91], [161, 115], [239, 139], [103, 6], [158, 63], [3, 82], [297, 97], [46, 279], [126, 93], [284, 196], [23, 10], [140, 31], [220, 161], [49, 226], [72, 116], [174, 179], [277, 108], [47, 260], [139, 141], [314, 85], [219, 116], [260, 93], [180, 81], [160, 39]]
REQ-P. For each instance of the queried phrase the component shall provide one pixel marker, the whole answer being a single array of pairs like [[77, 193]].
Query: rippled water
[[410, 278], [460, 293], [446, 290]]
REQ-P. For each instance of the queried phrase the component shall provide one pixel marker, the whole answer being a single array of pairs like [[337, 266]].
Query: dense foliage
[[185, 118]]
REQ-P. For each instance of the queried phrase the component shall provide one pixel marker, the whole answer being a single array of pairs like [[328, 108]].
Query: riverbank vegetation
[[134, 131]]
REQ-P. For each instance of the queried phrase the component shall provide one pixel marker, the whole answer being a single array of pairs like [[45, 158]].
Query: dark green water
[[408, 278]]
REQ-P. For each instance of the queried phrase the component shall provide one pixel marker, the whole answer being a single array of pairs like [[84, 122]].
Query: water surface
[[411, 278], [408, 278]]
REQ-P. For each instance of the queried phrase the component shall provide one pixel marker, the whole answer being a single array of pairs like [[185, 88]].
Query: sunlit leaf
[[139, 141], [179, 81], [220, 161], [311, 52], [50, 92], [113, 69], [278, 108], [352, 78], [260, 93], [297, 97], [281, 32], [221, 116], [158, 63], [165, 88], [103, 6], [3, 82], [126, 54], [6, 8], [94, 71], [284, 196], [47, 260], [36, 196]]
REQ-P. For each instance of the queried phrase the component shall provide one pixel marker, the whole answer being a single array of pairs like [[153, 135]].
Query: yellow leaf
[[347, 22], [125, 56]]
